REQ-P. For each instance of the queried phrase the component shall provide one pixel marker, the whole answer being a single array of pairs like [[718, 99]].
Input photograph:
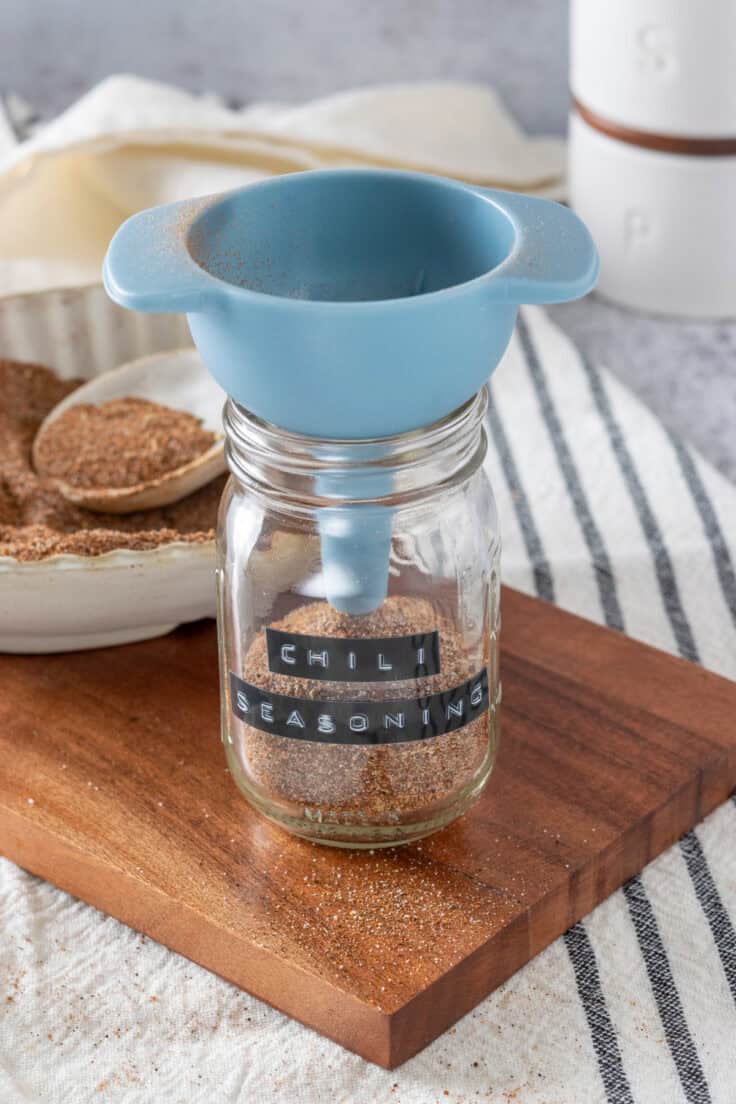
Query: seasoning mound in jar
[[123, 442], [357, 785], [37, 522]]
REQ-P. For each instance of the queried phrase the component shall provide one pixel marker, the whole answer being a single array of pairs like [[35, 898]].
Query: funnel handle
[[148, 267], [554, 257]]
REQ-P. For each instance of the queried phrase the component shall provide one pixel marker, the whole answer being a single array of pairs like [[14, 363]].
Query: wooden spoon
[[177, 379]]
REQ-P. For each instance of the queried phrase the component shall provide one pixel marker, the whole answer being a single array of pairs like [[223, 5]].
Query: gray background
[[52, 50]]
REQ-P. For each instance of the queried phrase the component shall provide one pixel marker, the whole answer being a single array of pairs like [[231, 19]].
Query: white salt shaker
[[652, 158]]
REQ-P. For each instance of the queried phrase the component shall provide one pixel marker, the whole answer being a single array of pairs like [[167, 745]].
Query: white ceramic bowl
[[663, 224], [69, 602]]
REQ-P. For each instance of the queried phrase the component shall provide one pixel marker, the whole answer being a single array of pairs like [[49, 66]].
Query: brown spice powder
[[37, 522], [366, 784], [120, 443]]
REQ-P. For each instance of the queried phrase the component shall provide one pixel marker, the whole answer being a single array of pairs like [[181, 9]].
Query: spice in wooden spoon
[[36, 521], [120, 443], [124, 453], [146, 435]]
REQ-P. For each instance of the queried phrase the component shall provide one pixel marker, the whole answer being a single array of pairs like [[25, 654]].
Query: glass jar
[[358, 617]]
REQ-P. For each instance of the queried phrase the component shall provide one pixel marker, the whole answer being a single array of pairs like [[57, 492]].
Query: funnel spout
[[355, 537], [355, 543]]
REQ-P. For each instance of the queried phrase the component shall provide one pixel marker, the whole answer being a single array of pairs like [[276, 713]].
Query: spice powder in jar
[[405, 788]]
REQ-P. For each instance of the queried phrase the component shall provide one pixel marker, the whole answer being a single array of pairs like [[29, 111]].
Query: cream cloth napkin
[[132, 143]]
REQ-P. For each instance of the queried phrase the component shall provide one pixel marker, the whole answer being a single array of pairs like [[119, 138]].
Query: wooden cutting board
[[113, 786]]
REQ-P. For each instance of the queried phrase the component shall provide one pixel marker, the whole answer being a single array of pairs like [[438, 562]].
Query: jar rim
[[325, 470], [473, 409]]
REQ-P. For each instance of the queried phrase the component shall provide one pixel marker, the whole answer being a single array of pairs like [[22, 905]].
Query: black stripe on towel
[[602, 1031], [579, 947], [532, 540], [600, 559], [713, 531], [662, 561], [659, 971], [707, 893]]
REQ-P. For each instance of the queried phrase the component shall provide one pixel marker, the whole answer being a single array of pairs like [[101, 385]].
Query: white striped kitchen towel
[[604, 512]]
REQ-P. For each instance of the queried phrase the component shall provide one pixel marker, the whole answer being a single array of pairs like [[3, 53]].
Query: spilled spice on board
[[366, 783], [120, 443], [37, 522]]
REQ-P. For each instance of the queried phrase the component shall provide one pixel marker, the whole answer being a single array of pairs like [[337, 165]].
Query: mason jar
[[358, 619]]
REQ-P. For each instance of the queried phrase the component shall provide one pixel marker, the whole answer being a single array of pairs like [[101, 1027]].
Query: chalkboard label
[[353, 659], [360, 722]]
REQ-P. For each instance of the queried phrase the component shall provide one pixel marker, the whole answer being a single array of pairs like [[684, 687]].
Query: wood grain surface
[[113, 786]]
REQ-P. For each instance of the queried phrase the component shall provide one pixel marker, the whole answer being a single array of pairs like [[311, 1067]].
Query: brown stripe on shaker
[[662, 143]]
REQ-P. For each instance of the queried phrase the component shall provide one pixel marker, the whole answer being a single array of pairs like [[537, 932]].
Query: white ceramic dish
[[69, 602]]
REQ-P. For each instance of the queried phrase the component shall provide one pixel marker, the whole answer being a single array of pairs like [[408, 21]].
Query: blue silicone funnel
[[351, 304]]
